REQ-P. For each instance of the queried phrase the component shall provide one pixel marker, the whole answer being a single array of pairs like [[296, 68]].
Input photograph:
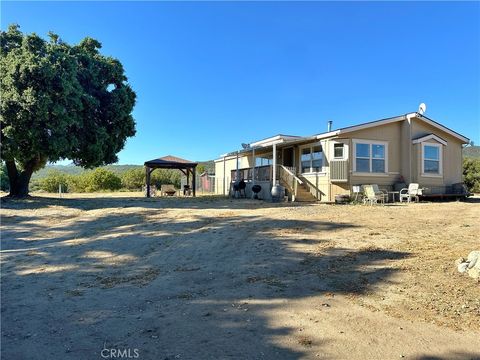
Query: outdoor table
[[393, 193]]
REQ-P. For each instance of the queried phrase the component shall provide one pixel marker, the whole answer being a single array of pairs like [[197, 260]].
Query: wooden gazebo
[[171, 162]]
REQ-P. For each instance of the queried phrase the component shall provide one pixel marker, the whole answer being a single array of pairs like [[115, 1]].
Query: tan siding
[[451, 155], [391, 133], [318, 186], [230, 164]]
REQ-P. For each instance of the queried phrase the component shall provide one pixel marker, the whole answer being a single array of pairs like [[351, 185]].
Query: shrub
[[78, 183], [163, 176], [133, 179], [471, 174], [98, 179], [53, 180], [4, 183]]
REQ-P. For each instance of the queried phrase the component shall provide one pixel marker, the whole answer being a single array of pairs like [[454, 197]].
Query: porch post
[[253, 159], [274, 175], [236, 172], [224, 176]]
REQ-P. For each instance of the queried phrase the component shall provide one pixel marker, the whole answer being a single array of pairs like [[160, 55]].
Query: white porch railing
[[288, 178]]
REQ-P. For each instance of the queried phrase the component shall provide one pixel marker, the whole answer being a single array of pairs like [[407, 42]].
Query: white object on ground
[[462, 267]]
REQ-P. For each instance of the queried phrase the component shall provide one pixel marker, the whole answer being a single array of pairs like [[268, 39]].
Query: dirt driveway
[[210, 278]]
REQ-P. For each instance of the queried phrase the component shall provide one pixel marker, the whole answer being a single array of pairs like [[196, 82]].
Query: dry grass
[[393, 260]]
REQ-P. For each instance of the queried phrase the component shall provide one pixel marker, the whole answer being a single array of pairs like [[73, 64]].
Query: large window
[[370, 157], [312, 159], [263, 160], [431, 159]]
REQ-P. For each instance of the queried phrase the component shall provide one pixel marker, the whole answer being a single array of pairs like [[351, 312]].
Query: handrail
[[291, 174]]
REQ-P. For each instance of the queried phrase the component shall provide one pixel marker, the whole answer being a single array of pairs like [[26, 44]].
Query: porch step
[[304, 195]]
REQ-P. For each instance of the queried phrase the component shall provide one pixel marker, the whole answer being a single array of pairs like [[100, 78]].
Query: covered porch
[[306, 167]]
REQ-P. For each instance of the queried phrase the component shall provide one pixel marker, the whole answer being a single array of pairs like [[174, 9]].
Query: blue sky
[[212, 75]]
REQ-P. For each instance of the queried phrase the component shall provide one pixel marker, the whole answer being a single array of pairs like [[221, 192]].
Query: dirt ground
[[92, 277]]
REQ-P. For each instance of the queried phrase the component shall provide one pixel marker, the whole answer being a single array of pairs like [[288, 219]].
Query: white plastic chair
[[413, 191]]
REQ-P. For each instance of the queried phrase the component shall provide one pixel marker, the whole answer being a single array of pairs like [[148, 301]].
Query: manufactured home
[[410, 148]]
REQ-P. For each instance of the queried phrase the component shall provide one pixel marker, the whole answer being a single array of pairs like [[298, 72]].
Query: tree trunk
[[19, 180]]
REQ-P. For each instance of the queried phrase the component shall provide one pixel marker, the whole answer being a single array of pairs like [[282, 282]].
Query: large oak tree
[[59, 101]]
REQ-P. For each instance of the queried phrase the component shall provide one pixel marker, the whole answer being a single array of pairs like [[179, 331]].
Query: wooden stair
[[303, 194]]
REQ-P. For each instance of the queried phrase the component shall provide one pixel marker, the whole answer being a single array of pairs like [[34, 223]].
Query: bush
[[133, 179], [53, 180], [471, 174], [99, 179], [4, 182], [161, 177]]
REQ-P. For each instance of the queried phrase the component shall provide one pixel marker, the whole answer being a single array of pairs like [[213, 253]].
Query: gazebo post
[[147, 180], [170, 162], [193, 180]]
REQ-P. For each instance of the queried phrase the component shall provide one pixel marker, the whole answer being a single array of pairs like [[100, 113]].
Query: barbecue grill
[[239, 187], [256, 189]]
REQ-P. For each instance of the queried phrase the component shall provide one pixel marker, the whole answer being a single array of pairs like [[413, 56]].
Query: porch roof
[[280, 142]]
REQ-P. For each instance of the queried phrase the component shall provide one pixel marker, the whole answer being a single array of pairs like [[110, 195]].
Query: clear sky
[[212, 75]]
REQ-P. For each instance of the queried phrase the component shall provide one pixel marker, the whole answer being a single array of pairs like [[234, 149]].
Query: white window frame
[[311, 146], [440, 160], [370, 143], [345, 151]]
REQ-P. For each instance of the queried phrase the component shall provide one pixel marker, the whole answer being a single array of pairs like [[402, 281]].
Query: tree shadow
[[451, 356], [196, 286], [95, 203]]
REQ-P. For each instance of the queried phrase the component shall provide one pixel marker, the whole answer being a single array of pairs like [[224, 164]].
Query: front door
[[288, 157]]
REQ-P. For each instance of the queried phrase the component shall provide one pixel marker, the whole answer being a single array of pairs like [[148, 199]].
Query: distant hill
[[472, 152], [118, 169]]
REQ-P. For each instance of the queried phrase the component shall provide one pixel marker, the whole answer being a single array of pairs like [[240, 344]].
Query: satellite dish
[[245, 146], [422, 108]]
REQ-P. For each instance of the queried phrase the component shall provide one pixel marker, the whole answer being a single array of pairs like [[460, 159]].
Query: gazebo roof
[[170, 162]]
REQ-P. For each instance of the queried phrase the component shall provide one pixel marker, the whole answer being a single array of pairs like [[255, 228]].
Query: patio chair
[[380, 193], [413, 191], [371, 197]]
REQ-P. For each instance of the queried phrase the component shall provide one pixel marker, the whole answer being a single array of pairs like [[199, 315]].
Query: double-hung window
[[431, 159], [338, 151], [312, 159], [370, 157]]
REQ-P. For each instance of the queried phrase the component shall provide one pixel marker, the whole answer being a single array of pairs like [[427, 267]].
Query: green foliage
[[61, 101], [53, 180], [133, 179], [4, 184], [161, 177], [471, 174], [200, 169], [100, 179]]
